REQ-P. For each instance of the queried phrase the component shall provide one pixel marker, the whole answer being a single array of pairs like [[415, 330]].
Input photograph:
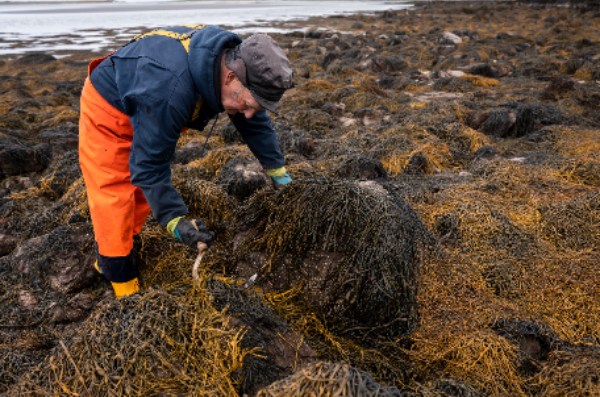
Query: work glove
[[279, 177], [191, 232]]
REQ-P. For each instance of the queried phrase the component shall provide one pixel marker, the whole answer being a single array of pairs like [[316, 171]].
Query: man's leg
[[104, 147]]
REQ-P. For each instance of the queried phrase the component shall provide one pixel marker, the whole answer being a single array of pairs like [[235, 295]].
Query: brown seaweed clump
[[153, 343], [353, 245], [329, 379]]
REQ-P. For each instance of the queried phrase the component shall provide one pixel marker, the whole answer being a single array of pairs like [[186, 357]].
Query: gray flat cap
[[263, 68]]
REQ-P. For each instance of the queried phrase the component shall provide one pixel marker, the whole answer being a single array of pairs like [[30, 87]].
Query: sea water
[[64, 25]]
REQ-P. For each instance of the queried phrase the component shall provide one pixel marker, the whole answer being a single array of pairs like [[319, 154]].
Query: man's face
[[237, 99]]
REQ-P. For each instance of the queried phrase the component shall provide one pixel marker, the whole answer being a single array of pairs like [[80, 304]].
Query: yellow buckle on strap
[[183, 38]]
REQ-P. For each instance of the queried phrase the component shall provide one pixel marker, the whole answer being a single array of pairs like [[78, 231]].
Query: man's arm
[[156, 127], [261, 138], [159, 106]]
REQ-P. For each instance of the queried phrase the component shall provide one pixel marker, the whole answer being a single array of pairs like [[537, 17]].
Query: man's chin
[[231, 111]]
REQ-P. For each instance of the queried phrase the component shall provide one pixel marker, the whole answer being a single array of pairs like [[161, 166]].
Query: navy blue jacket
[[157, 83]]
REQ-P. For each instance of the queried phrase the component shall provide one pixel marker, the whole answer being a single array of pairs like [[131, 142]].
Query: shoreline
[[289, 17]]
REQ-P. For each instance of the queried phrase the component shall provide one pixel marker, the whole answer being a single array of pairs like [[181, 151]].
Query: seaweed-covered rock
[[230, 134], [185, 155], [557, 87], [8, 244], [56, 259], [168, 342], [299, 142], [480, 69], [281, 348], [34, 58], [331, 379], [356, 266], [240, 178], [313, 119], [360, 167], [61, 140], [496, 122], [18, 157], [573, 223]]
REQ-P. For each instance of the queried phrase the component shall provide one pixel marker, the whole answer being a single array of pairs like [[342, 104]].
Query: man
[[134, 105]]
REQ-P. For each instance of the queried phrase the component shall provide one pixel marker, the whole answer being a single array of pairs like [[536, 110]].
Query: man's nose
[[249, 113]]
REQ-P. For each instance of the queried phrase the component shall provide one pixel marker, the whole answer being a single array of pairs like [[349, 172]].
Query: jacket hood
[[206, 47]]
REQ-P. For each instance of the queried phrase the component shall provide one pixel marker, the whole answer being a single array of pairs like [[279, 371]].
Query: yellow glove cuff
[[172, 225], [277, 173]]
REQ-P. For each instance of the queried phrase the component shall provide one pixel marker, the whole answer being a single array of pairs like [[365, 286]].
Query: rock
[[368, 116], [348, 121], [558, 86], [534, 340], [56, 258], [387, 82], [480, 69], [455, 73], [77, 308], [281, 348], [417, 164], [495, 122], [451, 37], [35, 58], [194, 143], [357, 25], [341, 93], [27, 299], [313, 119], [334, 109], [19, 157], [184, 155], [241, 178], [437, 96], [482, 156], [299, 142], [360, 167], [61, 140], [504, 36], [230, 134], [329, 57], [321, 273], [445, 49], [8, 244]]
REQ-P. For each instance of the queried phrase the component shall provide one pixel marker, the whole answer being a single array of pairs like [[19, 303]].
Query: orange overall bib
[[118, 209]]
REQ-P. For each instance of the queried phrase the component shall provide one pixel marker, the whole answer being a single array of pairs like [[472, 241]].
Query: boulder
[[34, 58], [75, 309], [445, 49], [57, 259], [240, 178], [19, 157], [323, 246], [8, 244], [451, 37], [61, 140], [184, 155]]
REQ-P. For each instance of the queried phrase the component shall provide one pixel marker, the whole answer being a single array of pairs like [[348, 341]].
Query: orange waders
[[118, 209]]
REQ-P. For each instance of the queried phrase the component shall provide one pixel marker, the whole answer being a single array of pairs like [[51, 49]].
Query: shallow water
[[43, 26]]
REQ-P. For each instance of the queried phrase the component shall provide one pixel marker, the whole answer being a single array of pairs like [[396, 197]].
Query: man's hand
[[194, 234], [279, 177]]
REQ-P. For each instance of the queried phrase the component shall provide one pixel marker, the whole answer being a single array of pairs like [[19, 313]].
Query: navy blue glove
[[185, 231]]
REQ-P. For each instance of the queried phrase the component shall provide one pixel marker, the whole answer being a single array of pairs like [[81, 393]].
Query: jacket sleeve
[[156, 128], [261, 138]]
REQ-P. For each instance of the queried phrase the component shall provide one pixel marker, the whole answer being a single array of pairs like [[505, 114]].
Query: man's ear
[[230, 77]]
